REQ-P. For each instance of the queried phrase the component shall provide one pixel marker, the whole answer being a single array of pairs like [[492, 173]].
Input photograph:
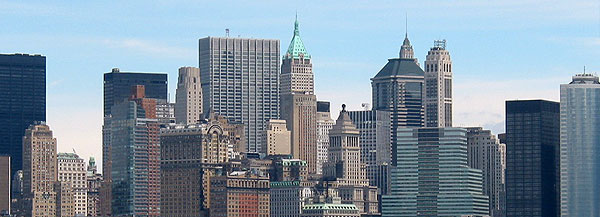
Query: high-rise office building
[[486, 153], [532, 158], [438, 86], [240, 80], [240, 193], [298, 102], [188, 105], [22, 101], [288, 198], [296, 70], [277, 138], [165, 112], [190, 156], [324, 124], [432, 176], [375, 149], [580, 146], [345, 168], [44, 194], [5, 180], [135, 155], [72, 171], [117, 86], [398, 88], [117, 89], [94, 182]]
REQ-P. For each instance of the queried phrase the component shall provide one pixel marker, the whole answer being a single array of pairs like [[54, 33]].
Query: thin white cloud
[[151, 48]]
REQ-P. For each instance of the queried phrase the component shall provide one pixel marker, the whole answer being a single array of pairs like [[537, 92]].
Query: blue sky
[[511, 49]]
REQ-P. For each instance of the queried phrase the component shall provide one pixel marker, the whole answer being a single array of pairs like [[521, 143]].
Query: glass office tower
[[432, 176], [580, 146], [532, 158], [22, 101]]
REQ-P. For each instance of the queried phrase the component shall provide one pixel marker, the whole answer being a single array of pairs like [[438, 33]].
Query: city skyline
[[84, 43]]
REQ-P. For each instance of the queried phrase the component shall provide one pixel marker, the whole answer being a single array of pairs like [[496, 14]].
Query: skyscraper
[[532, 158], [190, 156], [188, 105], [72, 171], [432, 177], [298, 102], [22, 100], [398, 88], [375, 149], [135, 155], [438, 86], [240, 80], [324, 124], [117, 89], [486, 153], [117, 86], [277, 138], [580, 146], [40, 173], [345, 168]]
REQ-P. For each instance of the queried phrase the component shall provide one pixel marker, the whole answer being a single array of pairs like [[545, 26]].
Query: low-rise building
[[331, 207]]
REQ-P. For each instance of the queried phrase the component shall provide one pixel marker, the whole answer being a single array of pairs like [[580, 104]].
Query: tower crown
[[296, 49], [406, 51]]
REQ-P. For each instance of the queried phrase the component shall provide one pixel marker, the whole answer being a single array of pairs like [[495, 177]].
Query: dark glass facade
[[117, 86], [22, 101], [323, 106], [532, 158]]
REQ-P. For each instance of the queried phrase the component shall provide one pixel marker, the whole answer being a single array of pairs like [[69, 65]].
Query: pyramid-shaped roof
[[399, 67], [296, 48]]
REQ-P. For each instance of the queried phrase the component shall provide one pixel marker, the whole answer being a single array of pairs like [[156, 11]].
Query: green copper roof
[[296, 47]]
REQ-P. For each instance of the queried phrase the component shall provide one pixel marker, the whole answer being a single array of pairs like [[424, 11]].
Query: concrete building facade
[[438, 86], [72, 171], [375, 149], [277, 138], [345, 168], [324, 124], [239, 194], [190, 156], [486, 153], [44, 194], [298, 102], [188, 104], [288, 197], [580, 146], [432, 176], [240, 80]]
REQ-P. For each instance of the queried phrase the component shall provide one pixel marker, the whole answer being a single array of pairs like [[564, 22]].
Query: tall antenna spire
[[296, 31], [406, 25]]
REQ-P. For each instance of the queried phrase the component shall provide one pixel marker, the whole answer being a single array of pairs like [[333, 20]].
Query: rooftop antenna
[[227, 33], [584, 69], [406, 25]]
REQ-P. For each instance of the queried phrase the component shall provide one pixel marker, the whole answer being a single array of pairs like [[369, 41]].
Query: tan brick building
[[190, 155], [239, 194]]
